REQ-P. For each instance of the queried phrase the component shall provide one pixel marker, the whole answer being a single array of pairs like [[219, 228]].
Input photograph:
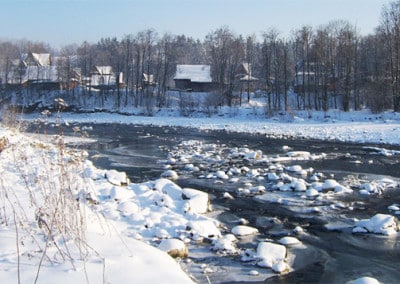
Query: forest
[[331, 66]]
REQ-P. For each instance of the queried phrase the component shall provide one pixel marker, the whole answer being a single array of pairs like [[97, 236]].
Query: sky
[[62, 22]]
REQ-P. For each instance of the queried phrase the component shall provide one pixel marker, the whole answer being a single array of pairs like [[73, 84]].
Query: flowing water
[[332, 256]]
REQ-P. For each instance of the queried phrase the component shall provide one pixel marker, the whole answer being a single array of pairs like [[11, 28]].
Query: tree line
[[331, 66]]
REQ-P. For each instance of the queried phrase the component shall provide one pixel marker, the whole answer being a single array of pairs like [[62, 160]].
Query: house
[[309, 77], [39, 72], [103, 78], [245, 73], [36, 59], [196, 78], [148, 80]]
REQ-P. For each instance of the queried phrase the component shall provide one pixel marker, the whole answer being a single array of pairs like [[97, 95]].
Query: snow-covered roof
[[248, 78], [104, 70], [41, 59], [194, 73], [246, 67], [41, 73]]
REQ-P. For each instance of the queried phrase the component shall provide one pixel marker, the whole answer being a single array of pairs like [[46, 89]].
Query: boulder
[[174, 247]]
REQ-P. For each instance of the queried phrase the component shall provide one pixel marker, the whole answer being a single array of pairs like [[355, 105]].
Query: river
[[332, 256]]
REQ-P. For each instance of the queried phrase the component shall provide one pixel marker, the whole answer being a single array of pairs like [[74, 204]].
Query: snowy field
[[62, 218]]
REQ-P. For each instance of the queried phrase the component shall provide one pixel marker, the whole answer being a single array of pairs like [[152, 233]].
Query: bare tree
[[225, 53], [269, 59], [346, 59], [391, 29], [302, 52]]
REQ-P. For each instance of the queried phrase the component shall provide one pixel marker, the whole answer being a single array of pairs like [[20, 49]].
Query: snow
[[95, 245], [194, 73], [378, 224], [243, 230], [129, 226], [356, 127], [174, 247], [271, 254], [364, 280], [287, 241]]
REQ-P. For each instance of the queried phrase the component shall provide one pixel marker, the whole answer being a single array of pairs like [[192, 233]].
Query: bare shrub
[[211, 103], [53, 216]]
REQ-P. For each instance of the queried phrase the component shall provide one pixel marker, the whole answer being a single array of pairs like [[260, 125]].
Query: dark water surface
[[331, 257]]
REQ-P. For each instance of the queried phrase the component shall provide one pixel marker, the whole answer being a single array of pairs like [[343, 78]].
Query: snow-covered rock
[[299, 185], [226, 244], [273, 176], [287, 241], [200, 229], [270, 254], [330, 184], [394, 207], [221, 175], [294, 168], [198, 202], [280, 267], [378, 224], [299, 154], [364, 280], [118, 193], [117, 178], [227, 195], [312, 192], [242, 230], [254, 272], [170, 174], [128, 207], [370, 188], [174, 247], [343, 189]]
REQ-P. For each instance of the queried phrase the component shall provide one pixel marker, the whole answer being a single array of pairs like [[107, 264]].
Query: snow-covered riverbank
[[356, 127], [54, 228]]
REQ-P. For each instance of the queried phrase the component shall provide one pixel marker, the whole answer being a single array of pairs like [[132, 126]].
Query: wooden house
[[196, 78], [39, 72]]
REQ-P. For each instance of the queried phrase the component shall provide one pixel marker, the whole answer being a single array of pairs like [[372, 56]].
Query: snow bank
[[95, 243]]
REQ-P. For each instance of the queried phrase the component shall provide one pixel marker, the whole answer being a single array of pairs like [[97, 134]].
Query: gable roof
[[194, 73], [40, 59], [103, 70]]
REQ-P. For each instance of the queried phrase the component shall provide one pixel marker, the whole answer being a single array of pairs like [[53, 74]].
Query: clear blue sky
[[61, 22]]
